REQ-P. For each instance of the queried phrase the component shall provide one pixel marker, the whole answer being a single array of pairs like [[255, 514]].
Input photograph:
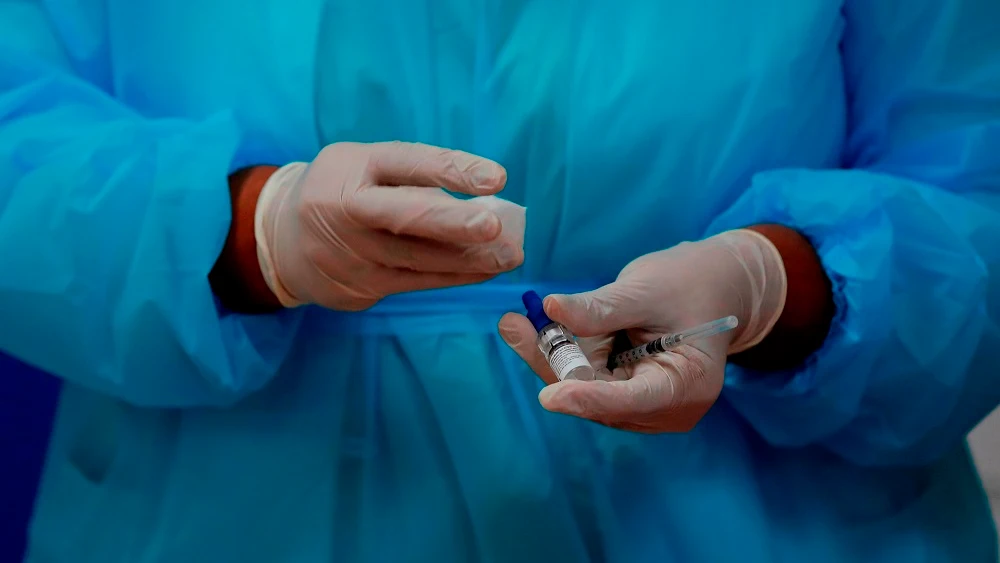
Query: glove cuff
[[265, 225], [768, 283]]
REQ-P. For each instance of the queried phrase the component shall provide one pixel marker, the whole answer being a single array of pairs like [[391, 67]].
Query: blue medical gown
[[410, 432]]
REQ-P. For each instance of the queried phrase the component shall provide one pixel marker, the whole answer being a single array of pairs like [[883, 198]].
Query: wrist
[[236, 278], [765, 293], [808, 309], [272, 197]]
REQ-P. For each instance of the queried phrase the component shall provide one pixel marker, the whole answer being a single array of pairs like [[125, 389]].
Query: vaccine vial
[[557, 343]]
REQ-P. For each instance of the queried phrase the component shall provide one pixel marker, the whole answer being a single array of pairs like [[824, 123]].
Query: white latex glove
[[735, 273], [364, 221]]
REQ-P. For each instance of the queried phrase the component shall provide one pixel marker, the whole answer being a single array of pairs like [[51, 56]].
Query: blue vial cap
[[536, 313]]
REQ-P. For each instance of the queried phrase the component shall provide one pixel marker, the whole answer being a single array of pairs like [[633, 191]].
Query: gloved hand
[[364, 221], [735, 273]]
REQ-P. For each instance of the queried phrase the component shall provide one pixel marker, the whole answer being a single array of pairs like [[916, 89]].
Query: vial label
[[566, 358]]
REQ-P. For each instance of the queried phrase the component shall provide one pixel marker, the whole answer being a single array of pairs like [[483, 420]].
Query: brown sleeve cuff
[[236, 278], [809, 307]]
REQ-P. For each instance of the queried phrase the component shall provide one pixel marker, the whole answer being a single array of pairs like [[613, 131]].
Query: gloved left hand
[[734, 273]]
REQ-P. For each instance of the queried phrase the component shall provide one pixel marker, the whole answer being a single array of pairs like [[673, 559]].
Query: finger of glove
[[608, 309], [421, 255], [398, 164], [597, 349], [419, 212], [649, 390], [517, 331]]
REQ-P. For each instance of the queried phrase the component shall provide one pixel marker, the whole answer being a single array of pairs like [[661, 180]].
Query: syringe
[[670, 341]]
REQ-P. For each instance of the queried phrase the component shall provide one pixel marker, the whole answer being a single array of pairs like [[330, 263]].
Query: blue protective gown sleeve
[[909, 235], [109, 224]]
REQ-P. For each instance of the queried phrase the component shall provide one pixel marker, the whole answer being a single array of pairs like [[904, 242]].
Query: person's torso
[[411, 433], [623, 128]]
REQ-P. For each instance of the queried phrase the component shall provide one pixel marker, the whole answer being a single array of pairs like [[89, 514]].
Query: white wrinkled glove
[[364, 221], [735, 273]]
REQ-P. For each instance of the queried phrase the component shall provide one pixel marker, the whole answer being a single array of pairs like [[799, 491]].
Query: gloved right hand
[[364, 221]]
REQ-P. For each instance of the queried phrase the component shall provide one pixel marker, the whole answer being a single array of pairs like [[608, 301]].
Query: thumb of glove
[[610, 308]]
